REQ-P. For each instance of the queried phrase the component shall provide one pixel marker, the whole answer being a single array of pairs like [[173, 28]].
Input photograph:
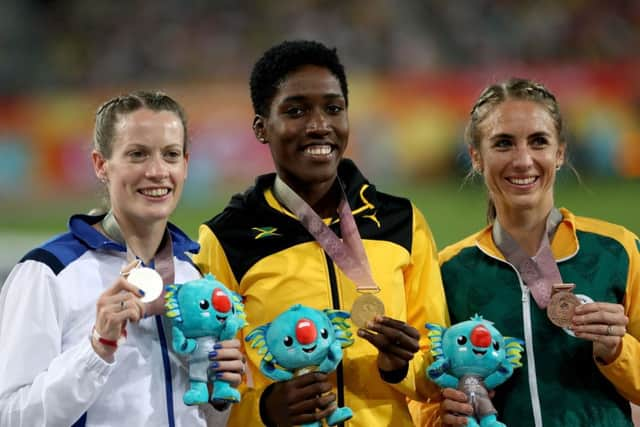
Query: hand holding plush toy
[[301, 340], [203, 312], [474, 357]]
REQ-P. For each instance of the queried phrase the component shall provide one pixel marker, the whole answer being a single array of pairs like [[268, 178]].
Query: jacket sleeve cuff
[[624, 371], [394, 377]]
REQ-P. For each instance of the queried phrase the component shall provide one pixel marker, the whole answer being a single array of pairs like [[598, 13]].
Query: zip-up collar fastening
[[487, 246]]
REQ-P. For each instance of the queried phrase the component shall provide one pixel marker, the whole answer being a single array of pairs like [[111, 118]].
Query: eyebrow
[[508, 135], [298, 98]]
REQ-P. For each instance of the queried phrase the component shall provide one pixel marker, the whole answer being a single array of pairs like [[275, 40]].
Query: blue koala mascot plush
[[474, 357], [203, 311], [300, 340]]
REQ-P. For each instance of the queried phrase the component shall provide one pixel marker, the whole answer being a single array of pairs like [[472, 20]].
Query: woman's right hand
[[454, 408], [302, 400], [117, 305]]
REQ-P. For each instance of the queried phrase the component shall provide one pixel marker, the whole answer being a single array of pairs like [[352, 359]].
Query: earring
[[558, 167]]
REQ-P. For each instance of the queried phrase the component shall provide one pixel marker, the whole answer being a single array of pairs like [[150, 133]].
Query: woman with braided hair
[[568, 285], [81, 345]]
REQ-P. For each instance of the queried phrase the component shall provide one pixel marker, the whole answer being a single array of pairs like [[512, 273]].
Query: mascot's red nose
[[221, 301], [480, 336], [306, 332]]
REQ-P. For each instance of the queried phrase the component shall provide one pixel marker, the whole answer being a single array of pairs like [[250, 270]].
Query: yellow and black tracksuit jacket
[[260, 250]]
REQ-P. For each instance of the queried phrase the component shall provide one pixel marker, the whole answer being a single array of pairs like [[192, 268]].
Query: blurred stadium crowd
[[75, 42], [414, 66]]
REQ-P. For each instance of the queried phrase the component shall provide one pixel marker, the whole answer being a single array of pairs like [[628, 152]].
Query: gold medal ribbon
[[347, 253]]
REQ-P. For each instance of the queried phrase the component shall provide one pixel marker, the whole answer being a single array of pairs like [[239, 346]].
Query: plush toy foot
[[223, 391], [340, 415], [491, 421], [197, 394], [471, 422]]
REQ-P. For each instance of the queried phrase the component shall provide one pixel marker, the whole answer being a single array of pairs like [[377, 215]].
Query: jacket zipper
[[335, 300], [528, 338]]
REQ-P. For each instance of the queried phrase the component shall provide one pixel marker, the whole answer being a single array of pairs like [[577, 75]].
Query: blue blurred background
[[414, 68]]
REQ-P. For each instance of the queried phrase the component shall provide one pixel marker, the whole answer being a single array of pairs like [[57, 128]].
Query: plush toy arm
[[230, 329], [182, 344], [276, 374], [437, 371], [334, 356], [500, 375]]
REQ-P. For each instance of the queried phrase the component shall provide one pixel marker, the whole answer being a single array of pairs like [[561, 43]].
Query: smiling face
[[205, 308], [307, 128], [147, 168], [300, 337], [518, 155], [473, 348]]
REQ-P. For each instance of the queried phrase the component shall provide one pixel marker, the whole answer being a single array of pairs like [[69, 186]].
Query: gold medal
[[562, 305], [365, 308]]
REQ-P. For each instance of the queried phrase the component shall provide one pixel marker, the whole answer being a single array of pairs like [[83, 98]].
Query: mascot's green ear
[[341, 326], [257, 337], [513, 348], [171, 303], [435, 335]]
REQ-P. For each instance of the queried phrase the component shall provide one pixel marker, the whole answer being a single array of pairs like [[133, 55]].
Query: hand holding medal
[[604, 324], [396, 341]]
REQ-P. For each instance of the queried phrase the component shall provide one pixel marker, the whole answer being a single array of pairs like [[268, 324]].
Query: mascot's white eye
[[204, 304], [324, 333], [496, 346], [462, 340], [288, 341]]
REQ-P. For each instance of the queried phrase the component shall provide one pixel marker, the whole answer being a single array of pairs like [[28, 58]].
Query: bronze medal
[[365, 308], [562, 305]]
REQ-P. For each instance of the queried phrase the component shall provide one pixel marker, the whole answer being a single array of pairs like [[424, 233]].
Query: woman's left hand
[[227, 362], [604, 324], [396, 341]]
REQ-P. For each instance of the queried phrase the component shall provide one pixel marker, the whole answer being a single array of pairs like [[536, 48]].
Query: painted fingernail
[[141, 292], [217, 346], [212, 354], [213, 365], [219, 375]]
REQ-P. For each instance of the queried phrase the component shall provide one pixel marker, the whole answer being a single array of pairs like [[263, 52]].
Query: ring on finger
[[609, 328], [123, 305]]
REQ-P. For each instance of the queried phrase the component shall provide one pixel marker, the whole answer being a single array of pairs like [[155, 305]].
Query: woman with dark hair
[[81, 344], [568, 285], [267, 245]]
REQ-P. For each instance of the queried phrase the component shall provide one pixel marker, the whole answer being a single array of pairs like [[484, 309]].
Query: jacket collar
[[360, 193], [564, 244], [81, 227]]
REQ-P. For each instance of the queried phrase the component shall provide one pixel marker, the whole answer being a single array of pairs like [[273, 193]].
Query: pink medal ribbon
[[163, 261], [540, 272], [347, 253]]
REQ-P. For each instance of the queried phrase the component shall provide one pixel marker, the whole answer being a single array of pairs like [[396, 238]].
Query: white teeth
[[522, 181], [318, 150], [155, 192]]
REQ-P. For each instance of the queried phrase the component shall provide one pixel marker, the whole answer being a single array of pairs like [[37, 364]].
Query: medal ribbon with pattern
[[151, 280], [348, 253], [541, 273]]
